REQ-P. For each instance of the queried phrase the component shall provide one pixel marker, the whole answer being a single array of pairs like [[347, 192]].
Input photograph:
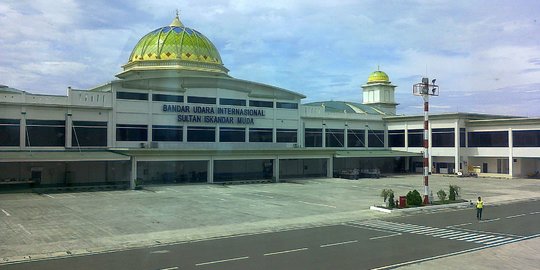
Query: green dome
[[378, 77], [175, 47]]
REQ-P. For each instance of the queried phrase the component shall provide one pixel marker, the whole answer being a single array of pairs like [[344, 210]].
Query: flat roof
[[55, 156]]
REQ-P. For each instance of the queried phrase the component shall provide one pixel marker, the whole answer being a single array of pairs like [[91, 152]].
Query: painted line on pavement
[[6, 212], [172, 189], [318, 204], [340, 243], [160, 251], [369, 228], [48, 195], [514, 216], [285, 251], [222, 261], [533, 213], [458, 225], [170, 268], [385, 236], [24, 229], [488, 220]]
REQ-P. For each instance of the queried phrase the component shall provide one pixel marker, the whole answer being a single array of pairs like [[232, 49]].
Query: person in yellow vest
[[479, 207]]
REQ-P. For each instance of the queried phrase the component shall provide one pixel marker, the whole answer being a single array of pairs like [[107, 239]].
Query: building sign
[[207, 114]]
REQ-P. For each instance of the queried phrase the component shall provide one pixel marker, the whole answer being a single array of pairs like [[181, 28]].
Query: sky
[[485, 55]]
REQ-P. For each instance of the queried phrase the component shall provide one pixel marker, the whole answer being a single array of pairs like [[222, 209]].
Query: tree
[[414, 198], [391, 202], [385, 193], [454, 192]]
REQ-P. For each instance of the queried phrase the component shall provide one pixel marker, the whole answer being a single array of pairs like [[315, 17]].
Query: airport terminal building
[[174, 115]]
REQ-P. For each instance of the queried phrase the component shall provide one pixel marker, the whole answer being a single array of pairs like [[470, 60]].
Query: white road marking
[[514, 216], [318, 204], [5, 212], [497, 241], [172, 189], [489, 239], [458, 225], [48, 195], [170, 268], [264, 196], [533, 213], [285, 251], [221, 261], [340, 243], [24, 229], [385, 236], [489, 220], [160, 251]]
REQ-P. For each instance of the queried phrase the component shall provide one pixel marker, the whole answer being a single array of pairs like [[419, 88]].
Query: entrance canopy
[[53, 156], [374, 153]]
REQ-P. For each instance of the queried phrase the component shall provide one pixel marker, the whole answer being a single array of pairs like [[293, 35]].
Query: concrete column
[[133, 175], [456, 147], [276, 169], [323, 135], [345, 136], [22, 130], [510, 153], [210, 170], [69, 130], [366, 137]]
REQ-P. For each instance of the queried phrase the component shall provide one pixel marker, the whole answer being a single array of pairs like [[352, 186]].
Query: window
[[260, 135], [355, 138], [10, 132], [415, 137], [201, 134], [526, 138], [396, 138], [131, 132], [45, 133], [286, 135], [335, 137], [375, 138], [201, 100], [169, 98], [286, 105], [228, 134], [313, 137], [260, 103], [462, 137], [166, 133], [488, 139], [442, 137], [89, 133], [131, 96], [232, 101]]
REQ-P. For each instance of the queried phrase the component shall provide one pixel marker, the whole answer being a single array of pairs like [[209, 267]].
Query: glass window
[[286, 105], [488, 139], [415, 137], [201, 134], [232, 101], [169, 98], [261, 103], [9, 132], [375, 138], [45, 133], [89, 133], [396, 138], [286, 135], [355, 138], [131, 132], [442, 137], [313, 137], [526, 138], [131, 95], [201, 100], [335, 137], [228, 134], [166, 133], [462, 137], [260, 135]]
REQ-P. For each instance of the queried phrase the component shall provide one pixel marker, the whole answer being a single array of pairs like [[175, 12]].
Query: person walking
[[479, 207]]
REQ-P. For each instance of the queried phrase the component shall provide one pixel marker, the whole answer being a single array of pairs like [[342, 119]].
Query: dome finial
[[176, 21]]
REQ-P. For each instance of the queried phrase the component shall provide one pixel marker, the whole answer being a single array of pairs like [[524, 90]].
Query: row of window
[[203, 134], [206, 100], [94, 133]]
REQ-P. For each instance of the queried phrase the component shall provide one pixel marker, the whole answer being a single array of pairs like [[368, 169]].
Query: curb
[[419, 209]]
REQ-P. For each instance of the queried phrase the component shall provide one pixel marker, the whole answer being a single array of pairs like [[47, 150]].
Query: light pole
[[425, 89]]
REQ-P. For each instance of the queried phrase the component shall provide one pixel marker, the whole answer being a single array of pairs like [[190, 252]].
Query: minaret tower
[[380, 92]]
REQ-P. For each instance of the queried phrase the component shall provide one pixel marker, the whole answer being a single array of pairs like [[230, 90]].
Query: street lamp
[[425, 89]]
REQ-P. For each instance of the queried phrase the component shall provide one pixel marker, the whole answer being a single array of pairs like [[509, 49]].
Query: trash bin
[[402, 201]]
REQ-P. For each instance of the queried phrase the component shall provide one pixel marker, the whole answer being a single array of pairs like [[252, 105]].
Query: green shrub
[[442, 195], [414, 198], [385, 193], [454, 192], [391, 202]]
